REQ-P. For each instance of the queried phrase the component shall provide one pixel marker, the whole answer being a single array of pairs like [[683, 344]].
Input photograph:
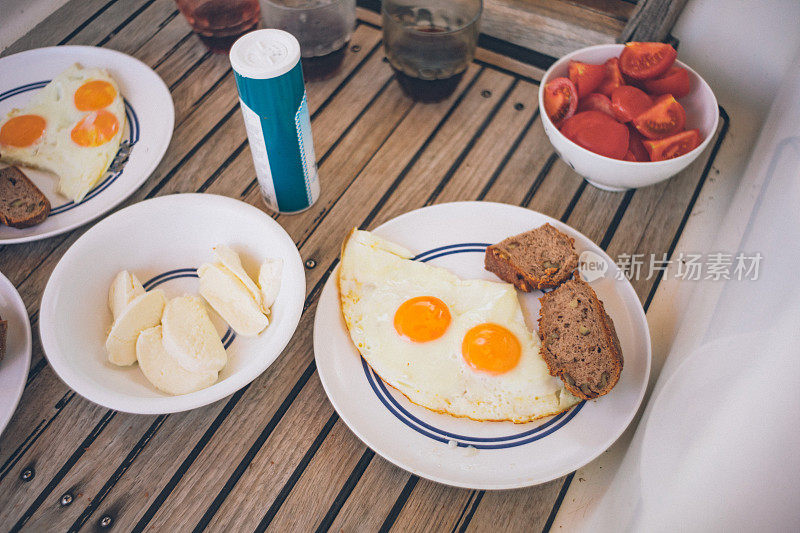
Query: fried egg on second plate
[[454, 346], [71, 127]]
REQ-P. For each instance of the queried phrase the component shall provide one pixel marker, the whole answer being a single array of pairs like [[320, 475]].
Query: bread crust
[[500, 261], [613, 354], [28, 192]]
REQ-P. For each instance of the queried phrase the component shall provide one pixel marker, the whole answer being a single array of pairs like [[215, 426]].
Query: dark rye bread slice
[[579, 342], [3, 332], [542, 258], [22, 204]]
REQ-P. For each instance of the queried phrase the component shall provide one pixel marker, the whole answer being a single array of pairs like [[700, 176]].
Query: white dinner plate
[[163, 241], [462, 452], [150, 118], [17, 361]]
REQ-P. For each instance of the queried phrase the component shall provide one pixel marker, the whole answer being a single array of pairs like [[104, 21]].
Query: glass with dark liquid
[[219, 23], [430, 44], [323, 28]]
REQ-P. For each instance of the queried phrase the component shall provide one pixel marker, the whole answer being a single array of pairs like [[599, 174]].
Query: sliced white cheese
[[124, 289], [230, 260], [143, 312], [190, 337], [231, 299], [163, 371], [269, 279]]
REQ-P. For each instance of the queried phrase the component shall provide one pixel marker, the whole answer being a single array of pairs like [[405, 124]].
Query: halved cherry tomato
[[643, 61], [674, 146], [628, 102], [560, 100], [665, 118], [586, 77], [613, 78], [636, 149], [596, 102], [675, 82], [598, 133]]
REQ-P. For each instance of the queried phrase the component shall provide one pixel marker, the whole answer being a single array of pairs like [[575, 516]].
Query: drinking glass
[[430, 43], [323, 27], [219, 23]]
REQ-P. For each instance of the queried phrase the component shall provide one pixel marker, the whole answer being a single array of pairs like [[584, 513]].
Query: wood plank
[[515, 510], [363, 511], [652, 20], [478, 168], [59, 25], [552, 28], [432, 507]]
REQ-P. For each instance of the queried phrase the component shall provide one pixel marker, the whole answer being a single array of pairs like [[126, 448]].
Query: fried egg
[[72, 127], [454, 346]]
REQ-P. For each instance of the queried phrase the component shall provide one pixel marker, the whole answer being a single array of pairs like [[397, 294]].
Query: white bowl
[[702, 112], [160, 240]]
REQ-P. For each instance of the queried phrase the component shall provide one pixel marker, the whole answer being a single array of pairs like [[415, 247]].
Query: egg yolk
[[22, 130], [422, 319], [94, 95], [491, 348], [95, 129]]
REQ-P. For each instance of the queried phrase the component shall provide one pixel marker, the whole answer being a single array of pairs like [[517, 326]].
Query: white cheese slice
[[229, 297], [269, 279], [190, 337], [163, 371], [124, 289], [230, 260], [143, 312]]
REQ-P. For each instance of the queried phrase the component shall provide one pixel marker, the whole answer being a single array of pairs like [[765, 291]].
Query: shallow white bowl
[[702, 112], [158, 240]]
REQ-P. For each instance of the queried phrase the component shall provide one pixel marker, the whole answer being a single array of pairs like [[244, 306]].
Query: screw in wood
[[486, 93], [385, 59], [519, 106], [310, 264], [27, 474], [106, 521], [66, 499], [355, 48]]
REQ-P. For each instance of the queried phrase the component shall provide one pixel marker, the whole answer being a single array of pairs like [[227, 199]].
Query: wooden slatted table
[[275, 454]]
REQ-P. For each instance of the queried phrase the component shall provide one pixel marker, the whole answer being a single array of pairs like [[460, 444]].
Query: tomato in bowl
[[653, 126]]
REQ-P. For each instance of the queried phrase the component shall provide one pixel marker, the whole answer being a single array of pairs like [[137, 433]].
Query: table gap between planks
[[275, 454]]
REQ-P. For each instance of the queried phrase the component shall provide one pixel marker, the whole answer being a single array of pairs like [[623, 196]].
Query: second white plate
[[467, 453], [150, 118], [163, 241]]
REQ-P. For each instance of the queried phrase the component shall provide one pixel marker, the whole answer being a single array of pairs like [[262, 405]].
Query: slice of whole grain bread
[[579, 342], [3, 332], [22, 204], [538, 259]]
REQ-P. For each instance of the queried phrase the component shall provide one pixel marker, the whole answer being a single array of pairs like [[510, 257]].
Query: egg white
[[78, 167], [377, 276]]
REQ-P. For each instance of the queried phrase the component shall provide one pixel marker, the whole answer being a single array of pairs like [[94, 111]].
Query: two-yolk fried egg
[[72, 127], [454, 346]]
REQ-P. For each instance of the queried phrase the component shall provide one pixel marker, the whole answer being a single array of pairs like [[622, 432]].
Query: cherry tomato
[[636, 149], [628, 102], [613, 78], [560, 100], [643, 61], [586, 77], [598, 133], [675, 82], [596, 102], [665, 118], [674, 146]]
